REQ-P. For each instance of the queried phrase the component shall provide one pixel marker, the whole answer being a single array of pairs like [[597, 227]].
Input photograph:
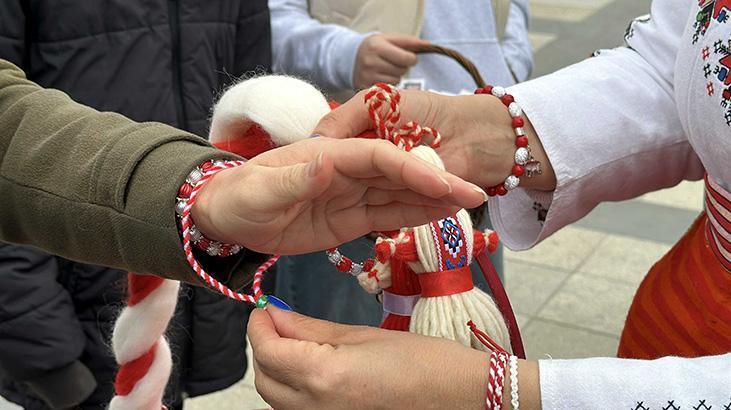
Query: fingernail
[[481, 191], [315, 136], [315, 166], [445, 182]]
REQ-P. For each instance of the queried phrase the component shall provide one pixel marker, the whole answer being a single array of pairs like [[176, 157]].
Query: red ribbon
[[445, 283]]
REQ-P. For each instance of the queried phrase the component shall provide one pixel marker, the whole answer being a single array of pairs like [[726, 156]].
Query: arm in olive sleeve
[[92, 186]]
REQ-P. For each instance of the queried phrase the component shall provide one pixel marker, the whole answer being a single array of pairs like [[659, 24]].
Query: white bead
[[522, 155], [214, 249], [218, 163], [511, 182], [514, 109], [180, 206], [334, 257], [498, 92], [356, 269], [519, 131], [195, 234], [195, 176]]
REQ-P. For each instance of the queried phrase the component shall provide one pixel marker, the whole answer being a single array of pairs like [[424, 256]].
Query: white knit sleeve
[[609, 126], [671, 383]]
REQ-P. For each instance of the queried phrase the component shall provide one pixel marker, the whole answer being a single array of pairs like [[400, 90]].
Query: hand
[[303, 363], [384, 58], [478, 142], [322, 192]]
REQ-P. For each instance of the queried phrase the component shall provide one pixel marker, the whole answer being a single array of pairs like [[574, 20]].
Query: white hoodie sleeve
[[305, 47]]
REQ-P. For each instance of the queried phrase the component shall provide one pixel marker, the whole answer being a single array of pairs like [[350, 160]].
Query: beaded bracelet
[[211, 247], [525, 164], [346, 265], [200, 176], [514, 395]]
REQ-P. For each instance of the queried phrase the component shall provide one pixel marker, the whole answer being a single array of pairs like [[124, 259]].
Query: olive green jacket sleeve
[[94, 186]]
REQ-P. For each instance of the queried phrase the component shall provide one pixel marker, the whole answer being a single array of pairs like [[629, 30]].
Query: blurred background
[[572, 292]]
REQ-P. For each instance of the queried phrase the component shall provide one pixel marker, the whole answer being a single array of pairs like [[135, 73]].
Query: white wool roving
[[287, 108], [140, 329], [447, 316]]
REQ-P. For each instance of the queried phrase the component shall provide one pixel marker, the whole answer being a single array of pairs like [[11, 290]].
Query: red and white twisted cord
[[186, 224], [385, 113]]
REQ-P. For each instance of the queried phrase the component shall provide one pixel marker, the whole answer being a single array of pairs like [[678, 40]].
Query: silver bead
[[519, 131], [334, 257], [180, 206], [214, 249], [218, 163], [356, 269], [514, 109], [511, 182], [498, 92], [195, 176], [522, 155], [195, 234], [235, 249]]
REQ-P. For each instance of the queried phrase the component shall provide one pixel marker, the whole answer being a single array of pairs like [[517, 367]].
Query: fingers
[[276, 394], [395, 216], [347, 121], [407, 42], [295, 326], [375, 196], [398, 57], [300, 182]]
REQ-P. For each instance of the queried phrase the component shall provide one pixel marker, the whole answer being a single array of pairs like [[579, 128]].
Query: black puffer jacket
[[151, 60]]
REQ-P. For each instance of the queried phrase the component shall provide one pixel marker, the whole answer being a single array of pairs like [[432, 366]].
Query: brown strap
[[456, 56]]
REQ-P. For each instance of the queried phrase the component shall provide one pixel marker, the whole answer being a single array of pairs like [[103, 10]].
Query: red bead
[[224, 252], [368, 265], [501, 190], [479, 91], [492, 191], [487, 89], [521, 141], [344, 265], [206, 166], [518, 122], [507, 99], [185, 190], [203, 244], [518, 170]]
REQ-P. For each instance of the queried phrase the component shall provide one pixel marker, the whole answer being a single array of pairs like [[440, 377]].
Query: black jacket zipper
[[174, 21]]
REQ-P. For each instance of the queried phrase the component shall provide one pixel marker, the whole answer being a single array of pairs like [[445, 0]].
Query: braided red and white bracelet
[[525, 164], [188, 193], [499, 358]]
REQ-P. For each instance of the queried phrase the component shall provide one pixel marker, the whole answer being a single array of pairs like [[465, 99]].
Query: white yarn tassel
[[447, 316], [287, 108], [138, 329]]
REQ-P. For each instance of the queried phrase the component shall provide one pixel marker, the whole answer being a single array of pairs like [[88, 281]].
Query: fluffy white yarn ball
[[287, 108]]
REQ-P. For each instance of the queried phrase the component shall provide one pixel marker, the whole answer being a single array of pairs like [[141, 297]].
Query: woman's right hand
[[478, 142]]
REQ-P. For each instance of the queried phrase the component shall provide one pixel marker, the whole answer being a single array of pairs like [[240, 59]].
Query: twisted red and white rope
[[383, 108], [186, 223]]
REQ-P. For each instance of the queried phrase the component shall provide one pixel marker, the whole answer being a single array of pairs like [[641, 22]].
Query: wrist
[[529, 386]]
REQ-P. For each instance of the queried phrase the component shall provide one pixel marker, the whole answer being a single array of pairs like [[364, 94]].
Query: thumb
[[411, 43], [347, 121], [295, 326], [301, 182]]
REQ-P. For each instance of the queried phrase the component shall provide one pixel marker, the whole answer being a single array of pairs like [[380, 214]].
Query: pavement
[[571, 293]]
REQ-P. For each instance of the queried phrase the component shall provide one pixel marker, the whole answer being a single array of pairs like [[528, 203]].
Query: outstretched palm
[[321, 192]]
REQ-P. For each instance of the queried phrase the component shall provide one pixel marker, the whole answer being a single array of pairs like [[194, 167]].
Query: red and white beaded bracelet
[[211, 247], [525, 164], [346, 265], [188, 194]]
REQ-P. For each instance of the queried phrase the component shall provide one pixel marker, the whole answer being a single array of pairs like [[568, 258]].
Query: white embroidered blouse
[[625, 122]]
